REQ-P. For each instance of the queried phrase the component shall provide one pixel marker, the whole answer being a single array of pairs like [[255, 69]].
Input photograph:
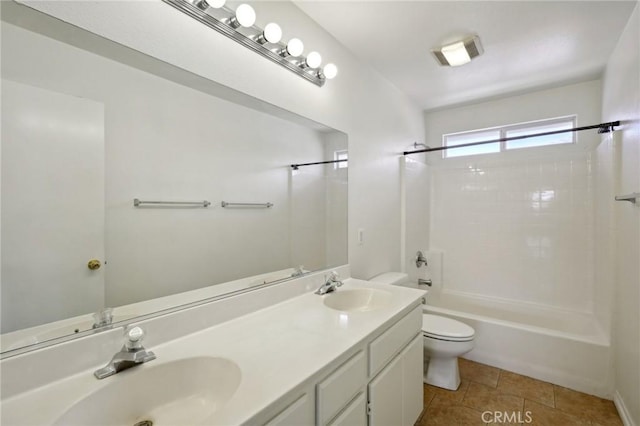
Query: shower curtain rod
[[295, 166], [602, 128]]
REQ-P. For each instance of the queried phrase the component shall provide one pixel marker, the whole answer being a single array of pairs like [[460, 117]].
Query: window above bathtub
[[509, 131]]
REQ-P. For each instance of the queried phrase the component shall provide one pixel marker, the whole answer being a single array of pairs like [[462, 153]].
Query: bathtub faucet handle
[[420, 259], [425, 282]]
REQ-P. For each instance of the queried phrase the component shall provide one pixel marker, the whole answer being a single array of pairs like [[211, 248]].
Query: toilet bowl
[[444, 341]]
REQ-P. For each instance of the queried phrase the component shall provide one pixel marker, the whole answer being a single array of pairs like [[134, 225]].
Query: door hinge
[[368, 408]]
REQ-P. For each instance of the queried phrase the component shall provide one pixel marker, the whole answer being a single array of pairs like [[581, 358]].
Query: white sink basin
[[188, 391], [357, 300]]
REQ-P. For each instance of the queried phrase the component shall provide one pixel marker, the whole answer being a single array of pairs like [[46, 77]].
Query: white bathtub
[[562, 347]]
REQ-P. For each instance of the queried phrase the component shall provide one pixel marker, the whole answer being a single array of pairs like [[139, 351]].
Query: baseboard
[[622, 410]]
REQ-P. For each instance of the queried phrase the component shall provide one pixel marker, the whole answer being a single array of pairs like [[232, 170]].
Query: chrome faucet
[[131, 354], [426, 282], [331, 283]]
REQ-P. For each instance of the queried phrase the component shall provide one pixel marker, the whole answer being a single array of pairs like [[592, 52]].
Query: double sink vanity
[[352, 356]]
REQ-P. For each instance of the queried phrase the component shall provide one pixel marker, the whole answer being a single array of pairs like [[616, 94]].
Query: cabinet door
[[385, 395], [412, 386]]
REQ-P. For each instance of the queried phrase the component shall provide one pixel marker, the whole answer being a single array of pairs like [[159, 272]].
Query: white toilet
[[444, 340]]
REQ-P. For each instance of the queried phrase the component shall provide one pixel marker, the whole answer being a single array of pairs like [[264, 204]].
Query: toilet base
[[443, 373]]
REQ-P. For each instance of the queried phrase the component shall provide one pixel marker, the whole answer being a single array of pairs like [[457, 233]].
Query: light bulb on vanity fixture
[[272, 33], [294, 48], [313, 60], [240, 26], [330, 71], [245, 16]]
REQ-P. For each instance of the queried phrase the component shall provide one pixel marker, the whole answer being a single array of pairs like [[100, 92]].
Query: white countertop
[[276, 349]]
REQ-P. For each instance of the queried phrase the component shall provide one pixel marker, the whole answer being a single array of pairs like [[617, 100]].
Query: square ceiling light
[[459, 53]]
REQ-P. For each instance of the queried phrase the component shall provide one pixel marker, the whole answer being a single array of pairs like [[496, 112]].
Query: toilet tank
[[391, 278]]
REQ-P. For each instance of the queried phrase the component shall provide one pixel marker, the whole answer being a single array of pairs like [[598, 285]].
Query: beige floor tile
[[588, 407], [526, 387], [486, 398], [428, 394], [449, 414], [542, 415], [448, 396], [479, 373]]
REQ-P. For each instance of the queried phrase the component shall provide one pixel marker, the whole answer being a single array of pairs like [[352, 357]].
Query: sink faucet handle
[[103, 317], [334, 277], [134, 337]]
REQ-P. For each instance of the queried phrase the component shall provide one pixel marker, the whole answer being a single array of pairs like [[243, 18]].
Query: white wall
[[518, 225], [164, 141], [621, 101], [378, 118]]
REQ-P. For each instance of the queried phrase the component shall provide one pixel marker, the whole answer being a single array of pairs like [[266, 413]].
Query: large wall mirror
[[88, 127]]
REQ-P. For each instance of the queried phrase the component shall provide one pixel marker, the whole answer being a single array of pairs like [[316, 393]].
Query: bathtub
[[566, 348]]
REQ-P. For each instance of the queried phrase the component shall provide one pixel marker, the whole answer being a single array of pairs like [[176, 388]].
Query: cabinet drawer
[[354, 415], [387, 345], [340, 387], [299, 413]]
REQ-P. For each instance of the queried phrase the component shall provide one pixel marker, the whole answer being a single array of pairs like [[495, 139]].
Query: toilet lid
[[445, 328]]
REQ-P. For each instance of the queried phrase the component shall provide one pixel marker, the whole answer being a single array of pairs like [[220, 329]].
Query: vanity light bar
[[256, 41]]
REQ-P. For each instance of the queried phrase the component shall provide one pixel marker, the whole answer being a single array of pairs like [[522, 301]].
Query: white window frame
[[518, 126], [342, 154]]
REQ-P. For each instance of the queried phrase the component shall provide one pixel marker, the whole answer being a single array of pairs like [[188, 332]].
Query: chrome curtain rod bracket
[[602, 128], [632, 198], [296, 166], [225, 205], [226, 27], [141, 203]]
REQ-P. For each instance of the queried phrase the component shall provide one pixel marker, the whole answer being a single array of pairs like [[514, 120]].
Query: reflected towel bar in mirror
[[258, 205], [140, 203]]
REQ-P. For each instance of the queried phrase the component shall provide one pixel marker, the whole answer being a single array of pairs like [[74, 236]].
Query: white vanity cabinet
[[379, 385]]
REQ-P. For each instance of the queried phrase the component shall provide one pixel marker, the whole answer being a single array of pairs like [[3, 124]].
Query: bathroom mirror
[[131, 184]]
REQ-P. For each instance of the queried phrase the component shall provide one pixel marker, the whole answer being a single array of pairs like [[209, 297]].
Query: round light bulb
[[330, 71], [216, 4], [313, 60], [245, 15], [295, 47], [272, 32]]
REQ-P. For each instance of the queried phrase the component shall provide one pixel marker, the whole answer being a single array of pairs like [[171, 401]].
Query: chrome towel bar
[[258, 205], [140, 203]]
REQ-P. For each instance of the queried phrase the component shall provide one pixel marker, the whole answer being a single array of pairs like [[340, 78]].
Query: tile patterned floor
[[534, 402]]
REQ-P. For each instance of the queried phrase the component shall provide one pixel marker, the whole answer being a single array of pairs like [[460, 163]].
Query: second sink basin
[[357, 300], [188, 391]]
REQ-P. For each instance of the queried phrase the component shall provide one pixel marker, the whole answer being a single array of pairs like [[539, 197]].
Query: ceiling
[[528, 44]]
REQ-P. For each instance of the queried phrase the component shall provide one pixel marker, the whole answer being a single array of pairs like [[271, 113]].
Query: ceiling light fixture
[[239, 25], [460, 52]]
